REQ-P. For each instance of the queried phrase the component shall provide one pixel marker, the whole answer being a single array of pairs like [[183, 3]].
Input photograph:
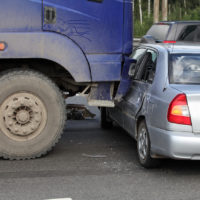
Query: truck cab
[[80, 46]]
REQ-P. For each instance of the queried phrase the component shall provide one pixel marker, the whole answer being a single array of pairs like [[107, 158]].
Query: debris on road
[[78, 112], [94, 156]]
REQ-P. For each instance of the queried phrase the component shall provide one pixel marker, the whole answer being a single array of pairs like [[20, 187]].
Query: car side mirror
[[148, 39], [132, 68]]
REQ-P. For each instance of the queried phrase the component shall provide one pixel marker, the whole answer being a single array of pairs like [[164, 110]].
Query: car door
[[141, 84], [117, 113]]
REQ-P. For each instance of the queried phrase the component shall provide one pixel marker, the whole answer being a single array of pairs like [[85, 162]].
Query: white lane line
[[60, 199]]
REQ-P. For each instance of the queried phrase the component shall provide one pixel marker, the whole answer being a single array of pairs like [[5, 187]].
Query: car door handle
[[149, 99]]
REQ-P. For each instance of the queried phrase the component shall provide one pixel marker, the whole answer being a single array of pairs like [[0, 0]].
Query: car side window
[[190, 33], [147, 67], [138, 55]]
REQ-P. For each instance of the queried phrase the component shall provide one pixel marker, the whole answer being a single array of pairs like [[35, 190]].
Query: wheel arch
[[139, 119], [57, 73], [47, 46]]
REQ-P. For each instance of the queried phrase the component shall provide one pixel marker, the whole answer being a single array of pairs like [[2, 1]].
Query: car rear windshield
[[159, 31], [184, 68]]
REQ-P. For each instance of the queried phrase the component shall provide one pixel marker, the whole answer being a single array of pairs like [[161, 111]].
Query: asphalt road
[[93, 164]]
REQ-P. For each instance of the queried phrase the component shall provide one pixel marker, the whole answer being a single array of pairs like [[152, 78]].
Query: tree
[[149, 8], [185, 7], [156, 11], [140, 10], [164, 10]]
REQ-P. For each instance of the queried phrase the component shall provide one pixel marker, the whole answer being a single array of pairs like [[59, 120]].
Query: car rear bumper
[[177, 145]]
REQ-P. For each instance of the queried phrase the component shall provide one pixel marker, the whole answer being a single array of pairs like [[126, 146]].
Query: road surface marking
[[60, 199]]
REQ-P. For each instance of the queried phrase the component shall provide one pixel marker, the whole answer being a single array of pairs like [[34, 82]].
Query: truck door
[[95, 25], [20, 16]]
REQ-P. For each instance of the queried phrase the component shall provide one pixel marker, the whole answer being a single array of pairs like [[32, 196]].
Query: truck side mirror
[[132, 68]]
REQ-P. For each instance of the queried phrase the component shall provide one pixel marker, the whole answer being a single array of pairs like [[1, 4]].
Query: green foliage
[[193, 14], [139, 29]]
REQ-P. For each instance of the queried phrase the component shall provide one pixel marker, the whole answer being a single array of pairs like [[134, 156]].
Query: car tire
[[144, 147], [32, 114], [106, 122]]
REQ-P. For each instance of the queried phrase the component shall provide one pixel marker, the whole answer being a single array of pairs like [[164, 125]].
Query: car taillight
[[178, 111], [169, 41]]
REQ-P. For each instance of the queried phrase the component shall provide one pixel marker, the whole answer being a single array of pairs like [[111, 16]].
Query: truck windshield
[[184, 68], [159, 31]]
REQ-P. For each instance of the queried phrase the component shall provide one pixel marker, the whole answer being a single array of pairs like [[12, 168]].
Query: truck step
[[101, 103]]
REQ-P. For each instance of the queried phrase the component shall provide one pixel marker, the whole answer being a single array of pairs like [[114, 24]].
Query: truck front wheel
[[32, 114]]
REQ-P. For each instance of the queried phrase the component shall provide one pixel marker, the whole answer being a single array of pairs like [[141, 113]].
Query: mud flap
[[101, 95]]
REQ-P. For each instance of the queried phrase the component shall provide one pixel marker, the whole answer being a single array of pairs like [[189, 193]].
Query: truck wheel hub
[[24, 114], [23, 117]]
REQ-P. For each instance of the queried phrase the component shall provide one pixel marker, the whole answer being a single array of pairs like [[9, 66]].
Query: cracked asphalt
[[93, 164]]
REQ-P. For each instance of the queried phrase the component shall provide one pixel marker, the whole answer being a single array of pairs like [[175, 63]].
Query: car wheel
[[32, 114], [106, 122], [144, 147]]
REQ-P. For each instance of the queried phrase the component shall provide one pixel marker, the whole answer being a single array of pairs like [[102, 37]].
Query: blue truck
[[53, 47]]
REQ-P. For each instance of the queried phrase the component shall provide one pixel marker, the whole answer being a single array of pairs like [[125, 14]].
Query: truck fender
[[50, 46]]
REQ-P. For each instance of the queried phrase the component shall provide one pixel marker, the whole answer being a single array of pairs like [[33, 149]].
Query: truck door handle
[[49, 15]]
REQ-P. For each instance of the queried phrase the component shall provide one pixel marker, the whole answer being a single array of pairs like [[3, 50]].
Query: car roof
[[179, 47], [177, 22]]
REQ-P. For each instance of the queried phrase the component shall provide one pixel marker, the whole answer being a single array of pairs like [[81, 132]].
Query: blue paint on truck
[[96, 27], [20, 16], [90, 39]]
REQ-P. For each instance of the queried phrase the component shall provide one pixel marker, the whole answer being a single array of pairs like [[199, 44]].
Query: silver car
[[162, 109]]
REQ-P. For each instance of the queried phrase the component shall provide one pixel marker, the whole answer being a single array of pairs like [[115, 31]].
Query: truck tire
[[32, 114]]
